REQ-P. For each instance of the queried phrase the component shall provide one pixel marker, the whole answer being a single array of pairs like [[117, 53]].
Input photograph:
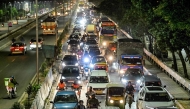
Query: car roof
[[98, 73], [66, 93], [115, 85], [150, 78], [153, 89]]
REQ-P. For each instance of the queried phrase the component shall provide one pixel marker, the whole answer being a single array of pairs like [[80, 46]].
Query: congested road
[[23, 67]]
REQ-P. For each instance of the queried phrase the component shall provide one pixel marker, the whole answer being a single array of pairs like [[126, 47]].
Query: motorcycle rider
[[130, 89], [93, 102], [11, 85], [90, 92], [75, 85], [61, 85], [81, 106]]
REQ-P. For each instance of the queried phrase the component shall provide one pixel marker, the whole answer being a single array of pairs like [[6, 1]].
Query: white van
[[98, 80]]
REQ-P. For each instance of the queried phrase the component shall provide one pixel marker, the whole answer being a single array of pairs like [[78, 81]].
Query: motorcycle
[[11, 92], [129, 98]]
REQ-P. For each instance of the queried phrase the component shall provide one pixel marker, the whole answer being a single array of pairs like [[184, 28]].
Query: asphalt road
[[23, 67]]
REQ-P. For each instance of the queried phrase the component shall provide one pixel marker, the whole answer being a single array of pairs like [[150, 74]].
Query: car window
[[157, 97], [98, 59], [133, 72], [17, 44], [73, 42], [34, 40], [65, 99], [116, 91], [70, 71], [94, 52], [91, 42], [99, 79], [70, 58], [153, 83]]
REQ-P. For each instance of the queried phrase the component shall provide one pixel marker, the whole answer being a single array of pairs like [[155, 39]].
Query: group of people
[[92, 101]]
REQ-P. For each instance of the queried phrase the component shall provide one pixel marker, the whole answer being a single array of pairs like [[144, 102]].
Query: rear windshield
[[98, 79], [65, 99], [153, 83], [91, 42], [70, 58], [34, 40], [73, 42], [17, 44], [116, 91], [157, 97], [70, 71]]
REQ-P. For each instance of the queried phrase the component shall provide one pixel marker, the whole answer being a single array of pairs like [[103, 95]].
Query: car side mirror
[[140, 99], [164, 86]]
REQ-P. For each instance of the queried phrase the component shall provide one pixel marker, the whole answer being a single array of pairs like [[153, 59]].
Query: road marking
[[13, 60]]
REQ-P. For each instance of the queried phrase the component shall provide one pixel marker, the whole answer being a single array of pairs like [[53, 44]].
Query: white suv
[[153, 97]]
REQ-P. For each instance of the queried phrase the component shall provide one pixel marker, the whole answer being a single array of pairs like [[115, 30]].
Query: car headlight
[[63, 64], [123, 80], [79, 81], [138, 81], [121, 101], [91, 65], [111, 101], [104, 43], [121, 71], [81, 67], [86, 59], [63, 77], [110, 58], [78, 77], [76, 64]]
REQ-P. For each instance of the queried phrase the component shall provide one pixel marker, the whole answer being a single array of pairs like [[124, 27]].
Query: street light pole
[[56, 31], [37, 41]]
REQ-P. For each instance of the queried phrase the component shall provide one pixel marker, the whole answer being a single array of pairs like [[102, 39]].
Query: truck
[[129, 55], [49, 25], [108, 33]]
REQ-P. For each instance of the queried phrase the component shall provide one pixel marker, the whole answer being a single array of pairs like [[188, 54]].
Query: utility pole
[[37, 69]]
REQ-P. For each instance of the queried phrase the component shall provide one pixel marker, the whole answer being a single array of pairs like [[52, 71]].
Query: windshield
[[73, 42], [100, 67], [70, 58], [153, 83], [157, 97], [98, 59], [133, 72], [116, 91], [94, 52], [98, 79], [91, 42], [70, 71], [107, 31], [65, 99], [133, 61]]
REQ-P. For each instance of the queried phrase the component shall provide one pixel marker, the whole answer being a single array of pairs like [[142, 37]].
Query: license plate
[[99, 91], [70, 81], [16, 49]]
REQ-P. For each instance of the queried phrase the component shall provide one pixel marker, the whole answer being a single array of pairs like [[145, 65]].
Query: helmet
[[90, 87], [81, 101], [12, 77], [61, 80]]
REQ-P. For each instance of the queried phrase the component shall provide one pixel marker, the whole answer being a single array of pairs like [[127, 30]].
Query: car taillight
[[21, 47]]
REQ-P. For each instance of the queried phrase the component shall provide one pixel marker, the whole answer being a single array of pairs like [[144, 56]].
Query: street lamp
[[37, 41], [10, 9]]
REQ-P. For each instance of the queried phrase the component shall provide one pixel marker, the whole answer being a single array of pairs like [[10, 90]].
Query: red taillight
[[21, 47]]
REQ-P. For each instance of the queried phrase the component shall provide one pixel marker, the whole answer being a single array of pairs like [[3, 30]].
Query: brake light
[[21, 47]]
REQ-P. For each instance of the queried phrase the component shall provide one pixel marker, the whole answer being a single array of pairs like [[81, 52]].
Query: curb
[[179, 105]]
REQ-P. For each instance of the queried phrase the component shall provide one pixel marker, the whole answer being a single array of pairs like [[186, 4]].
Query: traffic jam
[[96, 51]]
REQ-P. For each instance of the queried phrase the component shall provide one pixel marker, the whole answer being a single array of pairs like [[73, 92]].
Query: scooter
[[11, 92]]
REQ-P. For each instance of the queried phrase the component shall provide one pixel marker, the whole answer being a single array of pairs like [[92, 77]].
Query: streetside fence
[[43, 92], [176, 77]]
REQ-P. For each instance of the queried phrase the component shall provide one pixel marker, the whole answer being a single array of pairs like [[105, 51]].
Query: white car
[[98, 80], [153, 97], [33, 43]]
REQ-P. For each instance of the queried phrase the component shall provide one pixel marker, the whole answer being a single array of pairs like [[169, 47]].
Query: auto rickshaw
[[101, 66], [115, 95]]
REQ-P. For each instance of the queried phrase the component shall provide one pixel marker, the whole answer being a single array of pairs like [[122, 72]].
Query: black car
[[74, 37], [70, 60], [94, 52], [73, 45], [70, 74]]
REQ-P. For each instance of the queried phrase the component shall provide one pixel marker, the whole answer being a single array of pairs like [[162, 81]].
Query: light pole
[[55, 2], [37, 41], [11, 10]]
